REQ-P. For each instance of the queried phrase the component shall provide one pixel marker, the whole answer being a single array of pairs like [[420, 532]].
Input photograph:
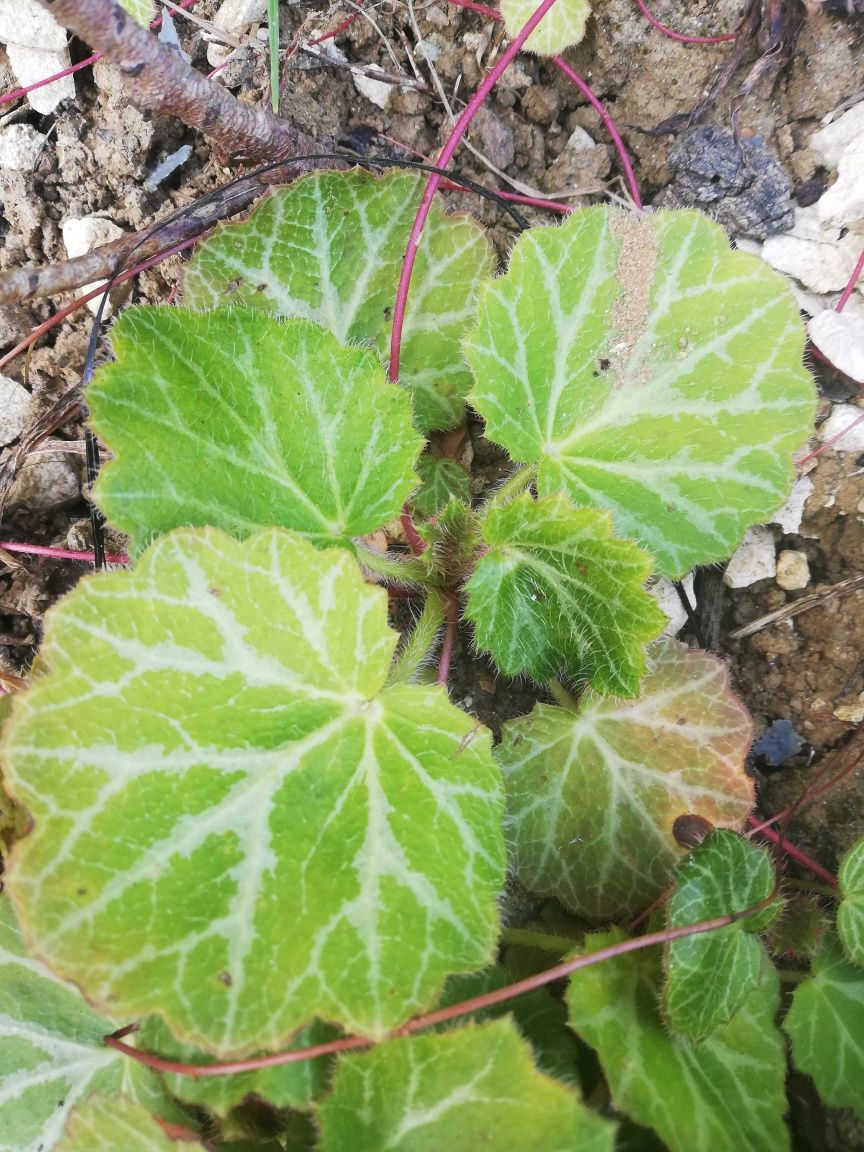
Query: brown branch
[[160, 81]]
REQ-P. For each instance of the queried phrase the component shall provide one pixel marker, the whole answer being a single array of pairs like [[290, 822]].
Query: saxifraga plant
[[245, 815]]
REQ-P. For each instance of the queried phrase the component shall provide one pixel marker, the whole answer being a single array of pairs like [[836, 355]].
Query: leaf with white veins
[[236, 825], [235, 420], [103, 1125], [649, 370], [592, 797], [850, 914]]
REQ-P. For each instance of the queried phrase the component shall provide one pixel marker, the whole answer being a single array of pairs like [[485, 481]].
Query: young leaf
[[103, 1125], [235, 420], [648, 370], [592, 797], [709, 975], [850, 914], [557, 593], [474, 1087], [440, 482], [141, 11], [721, 1095], [286, 1086], [826, 1027], [800, 928], [330, 247], [52, 1051], [237, 827], [562, 27]]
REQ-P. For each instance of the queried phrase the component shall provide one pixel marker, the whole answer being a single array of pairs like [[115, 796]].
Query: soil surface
[[537, 135]]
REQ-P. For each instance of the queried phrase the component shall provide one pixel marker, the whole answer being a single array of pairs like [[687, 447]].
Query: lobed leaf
[[237, 827], [592, 797], [330, 247], [720, 1095], [52, 1051], [561, 27], [234, 420], [709, 975], [850, 914], [557, 593], [103, 1125], [826, 1027], [470, 1088], [441, 480], [648, 370]]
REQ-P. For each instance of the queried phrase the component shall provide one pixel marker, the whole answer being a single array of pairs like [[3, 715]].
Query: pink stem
[[60, 316], [476, 1004], [416, 544], [822, 447], [338, 30], [655, 23], [791, 850], [458, 131], [60, 553], [19, 92], [850, 287], [450, 629]]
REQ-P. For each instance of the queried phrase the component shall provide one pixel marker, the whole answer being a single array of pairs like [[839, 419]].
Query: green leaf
[[800, 928], [103, 1125], [474, 1087], [649, 370], [557, 593], [561, 27], [141, 11], [592, 797], [236, 826], [330, 248], [850, 914], [441, 480], [709, 975], [452, 540], [52, 1051], [721, 1095], [826, 1027], [235, 420], [286, 1086]]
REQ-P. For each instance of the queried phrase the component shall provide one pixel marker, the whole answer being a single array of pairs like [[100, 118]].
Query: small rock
[[843, 417], [853, 712], [580, 141], [778, 743], [14, 410], [437, 16], [831, 142], [234, 17], [669, 602], [754, 560], [32, 64], [792, 513], [843, 203], [27, 23], [515, 78], [822, 265], [839, 336], [44, 481], [494, 138], [793, 571], [376, 91], [540, 104], [83, 235], [20, 147]]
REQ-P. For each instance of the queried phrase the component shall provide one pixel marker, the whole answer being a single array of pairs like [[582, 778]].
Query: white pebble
[[793, 571], [83, 234], [20, 147], [14, 410], [669, 602], [235, 17], [831, 142], [32, 64], [27, 23], [754, 560], [792, 513], [843, 417], [839, 336], [374, 90], [843, 204]]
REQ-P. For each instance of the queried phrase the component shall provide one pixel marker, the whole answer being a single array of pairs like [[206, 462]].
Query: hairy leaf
[[560, 28], [721, 1095], [474, 1087], [592, 797], [649, 370], [235, 420], [237, 827], [52, 1054], [709, 975], [103, 1125], [141, 11], [557, 593], [330, 248], [826, 1027], [850, 914], [440, 482], [800, 928]]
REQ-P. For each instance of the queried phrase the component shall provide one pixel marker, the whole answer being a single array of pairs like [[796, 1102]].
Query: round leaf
[[103, 1125], [593, 796], [649, 370], [850, 914], [236, 826], [474, 1087], [561, 27], [235, 420], [330, 248]]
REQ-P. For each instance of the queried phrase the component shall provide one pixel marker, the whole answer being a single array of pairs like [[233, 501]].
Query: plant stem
[[513, 486], [561, 696], [415, 651], [273, 36], [402, 569], [542, 941], [449, 637]]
